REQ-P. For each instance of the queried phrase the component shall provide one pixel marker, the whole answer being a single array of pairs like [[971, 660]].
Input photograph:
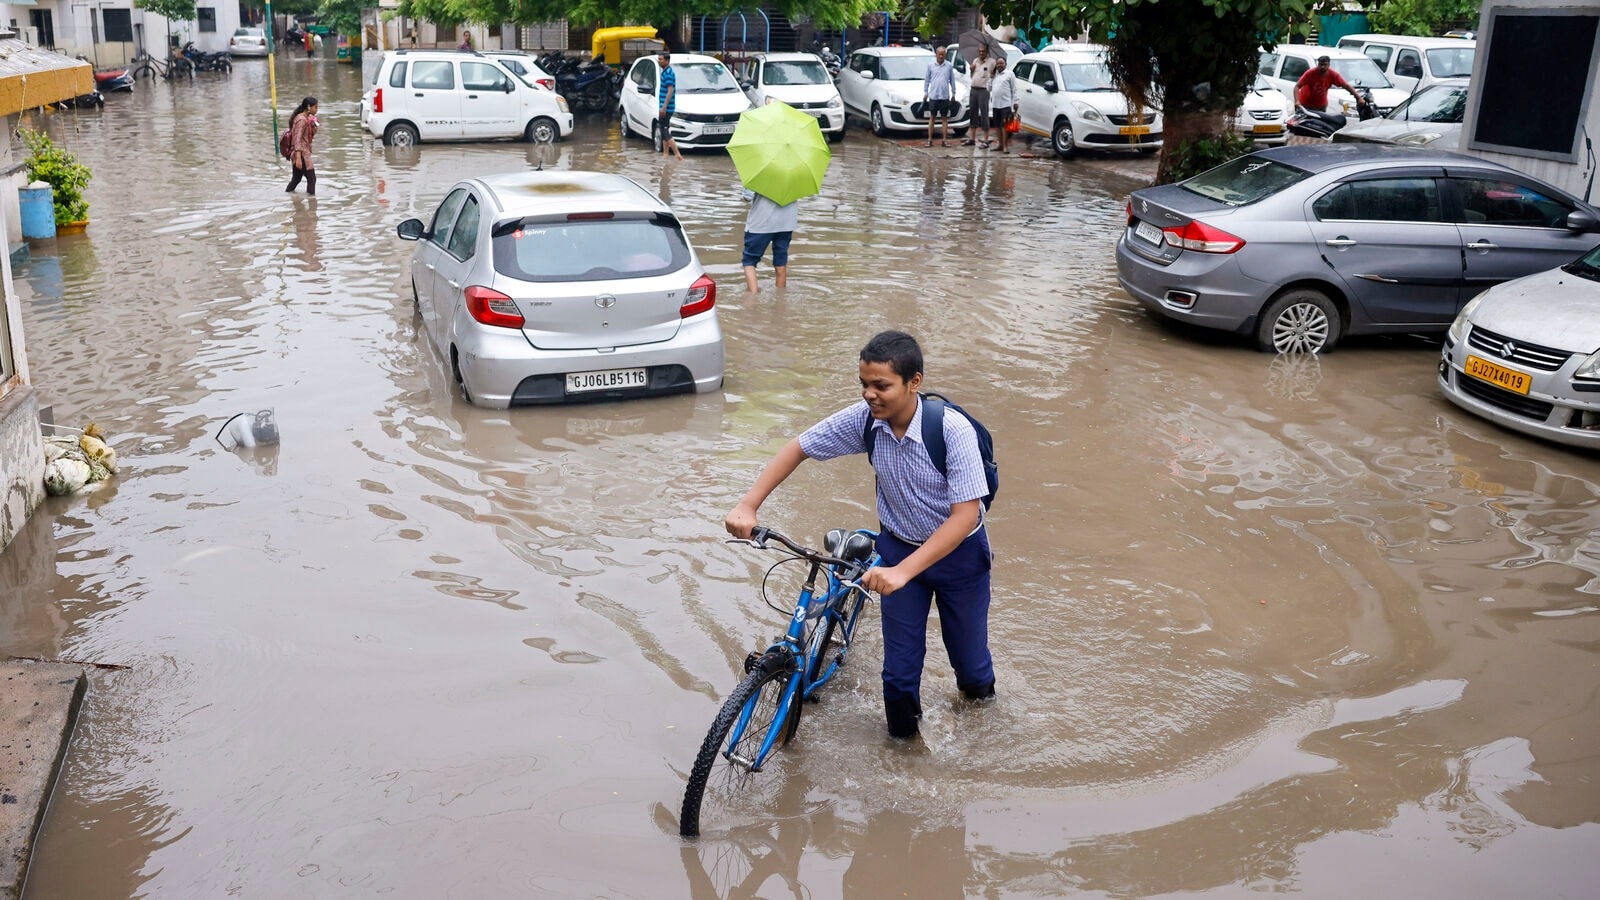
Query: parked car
[[1431, 117], [1413, 63], [1285, 63], [524, 66], [1299, 246], [1526, 354], [1065, 93], [561, 286], [1264, 115], [798, 79], [707, 107], [248, 41], [451, 95], [884, 86]]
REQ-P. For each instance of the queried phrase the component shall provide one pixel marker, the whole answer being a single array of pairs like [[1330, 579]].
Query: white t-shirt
[[767, 217]]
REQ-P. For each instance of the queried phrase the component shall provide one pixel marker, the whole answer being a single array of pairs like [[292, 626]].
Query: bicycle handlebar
[[760, 534]]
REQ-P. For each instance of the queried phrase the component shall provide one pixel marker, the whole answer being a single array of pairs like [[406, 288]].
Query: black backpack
[[933, 406]]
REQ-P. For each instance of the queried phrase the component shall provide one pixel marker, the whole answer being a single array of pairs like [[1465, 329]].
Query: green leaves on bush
[[62, 171]]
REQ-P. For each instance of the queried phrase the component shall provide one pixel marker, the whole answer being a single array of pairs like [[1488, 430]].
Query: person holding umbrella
[[781, 157], [983, 69]]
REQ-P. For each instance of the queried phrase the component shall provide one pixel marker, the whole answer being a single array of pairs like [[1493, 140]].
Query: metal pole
[[272, 78]]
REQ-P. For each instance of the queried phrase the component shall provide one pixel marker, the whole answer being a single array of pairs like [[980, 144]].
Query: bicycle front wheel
[[717, 780]]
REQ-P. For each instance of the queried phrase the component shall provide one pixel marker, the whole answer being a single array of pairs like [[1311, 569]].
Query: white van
[[458, 95], [1413, 63], [1284, 64]]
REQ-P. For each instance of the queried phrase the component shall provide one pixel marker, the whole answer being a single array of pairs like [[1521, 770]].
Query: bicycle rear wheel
[[718, 780]]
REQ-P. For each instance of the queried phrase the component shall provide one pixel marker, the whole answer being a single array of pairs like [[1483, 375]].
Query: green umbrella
[[779, 152]]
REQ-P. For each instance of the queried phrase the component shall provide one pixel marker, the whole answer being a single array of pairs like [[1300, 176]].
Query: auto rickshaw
[[622, 45]]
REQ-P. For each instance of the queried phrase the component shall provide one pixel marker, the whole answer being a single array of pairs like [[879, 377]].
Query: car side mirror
[[1579, 220], [644, 88], [868, 76], [510, 87], [1049, 86], [411, 230]]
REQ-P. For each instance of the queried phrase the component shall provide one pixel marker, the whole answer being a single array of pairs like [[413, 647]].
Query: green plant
[[1196, 155], [61, 170]]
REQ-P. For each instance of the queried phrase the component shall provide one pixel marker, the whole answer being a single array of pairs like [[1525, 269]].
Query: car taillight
[[492, 307], [1203, 238], [377, 100], [701, 297], [1130, 212], [548, 84]]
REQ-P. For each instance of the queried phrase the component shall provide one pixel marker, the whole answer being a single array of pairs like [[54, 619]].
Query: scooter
[[113, 80], [1311, 123], [592, 86]]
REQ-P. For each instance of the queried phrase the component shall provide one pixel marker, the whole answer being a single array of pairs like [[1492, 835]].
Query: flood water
[[1260, 624]]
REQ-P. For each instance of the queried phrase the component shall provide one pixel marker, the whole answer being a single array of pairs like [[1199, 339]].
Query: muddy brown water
[[1261, 624]]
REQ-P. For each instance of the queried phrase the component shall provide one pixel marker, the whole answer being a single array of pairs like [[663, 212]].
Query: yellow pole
[[272, 77]]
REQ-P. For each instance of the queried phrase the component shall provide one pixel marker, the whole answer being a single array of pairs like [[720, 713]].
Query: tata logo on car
[[605, 301]]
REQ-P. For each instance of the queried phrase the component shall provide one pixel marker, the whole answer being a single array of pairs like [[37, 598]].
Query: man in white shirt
[[983, 69], [1003, 96]]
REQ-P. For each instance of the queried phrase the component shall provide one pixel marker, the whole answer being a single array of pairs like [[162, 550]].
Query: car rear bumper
[[502, 369], [1541, 413], [1222, 297]]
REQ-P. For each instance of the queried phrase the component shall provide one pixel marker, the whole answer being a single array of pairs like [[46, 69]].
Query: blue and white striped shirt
[[913, 498]]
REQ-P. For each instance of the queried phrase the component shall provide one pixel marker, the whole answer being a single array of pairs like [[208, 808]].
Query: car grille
[[708, 117], [1131, 120], [1510, 401], [820, 104], [1266, 115], [1547, 359]]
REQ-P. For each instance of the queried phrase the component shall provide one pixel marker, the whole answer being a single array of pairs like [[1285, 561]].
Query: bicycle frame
[[811, 609]]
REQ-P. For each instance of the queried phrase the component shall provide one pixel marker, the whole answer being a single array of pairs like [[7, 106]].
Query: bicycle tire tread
[[711, 747]]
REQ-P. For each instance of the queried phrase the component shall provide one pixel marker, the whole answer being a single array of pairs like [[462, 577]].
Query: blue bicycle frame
[[841, 600]]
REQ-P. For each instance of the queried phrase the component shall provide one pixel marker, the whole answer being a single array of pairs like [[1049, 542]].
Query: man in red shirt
[[1311, 91]]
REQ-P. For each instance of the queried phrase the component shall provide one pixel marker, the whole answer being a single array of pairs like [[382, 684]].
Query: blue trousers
[[959, 583]]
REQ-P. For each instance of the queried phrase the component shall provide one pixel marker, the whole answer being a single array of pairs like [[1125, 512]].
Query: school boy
[[932, 537]]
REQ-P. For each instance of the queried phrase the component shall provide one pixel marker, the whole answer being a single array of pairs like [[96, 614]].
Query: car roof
[[542, 192], [896, 51], [1406, 40], [789, 57], [1072, 47], [689, 58], [1327, 157]]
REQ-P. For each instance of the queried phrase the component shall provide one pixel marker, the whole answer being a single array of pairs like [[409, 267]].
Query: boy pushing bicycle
[[932, 537]]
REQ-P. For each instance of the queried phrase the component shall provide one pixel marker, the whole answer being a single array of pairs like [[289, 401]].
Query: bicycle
[[763, 712], [147, 66]]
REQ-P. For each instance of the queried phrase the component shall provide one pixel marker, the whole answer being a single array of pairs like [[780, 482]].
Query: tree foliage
[[342, 16], [1424, 17], [661, 13], [171, 10], [284, 7]]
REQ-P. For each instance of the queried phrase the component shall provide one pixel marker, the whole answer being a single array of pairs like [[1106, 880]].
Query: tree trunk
[[1180, 125]]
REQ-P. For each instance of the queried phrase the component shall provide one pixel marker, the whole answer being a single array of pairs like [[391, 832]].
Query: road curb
[[39, 704]]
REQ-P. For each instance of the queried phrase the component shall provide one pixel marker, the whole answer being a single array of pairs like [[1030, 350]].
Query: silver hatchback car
[[552, 287], [1298, 246]]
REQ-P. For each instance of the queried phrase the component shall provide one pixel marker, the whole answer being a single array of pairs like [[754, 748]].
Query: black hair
[[305, 104], [898, 349]]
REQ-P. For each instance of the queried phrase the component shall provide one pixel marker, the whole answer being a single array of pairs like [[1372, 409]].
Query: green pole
[[272, 78]]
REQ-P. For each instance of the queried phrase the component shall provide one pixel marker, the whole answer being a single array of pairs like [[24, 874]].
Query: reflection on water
[[1258, 623]]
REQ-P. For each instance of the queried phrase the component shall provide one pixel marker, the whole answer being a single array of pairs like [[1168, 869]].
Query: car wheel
[[1061, 139], [542, 131], [835, 137], [655, 136], [879, 126], [1299, 321], [455, 370], [400, 135], [622, 119]]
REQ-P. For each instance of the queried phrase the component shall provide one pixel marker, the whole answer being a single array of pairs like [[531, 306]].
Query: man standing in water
[[932, 537], [668, 93], [939, 95]]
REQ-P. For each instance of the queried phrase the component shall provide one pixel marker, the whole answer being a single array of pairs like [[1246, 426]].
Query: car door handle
[[1340, 242], [429, 265], [453, 284], [472, 96], [1483, 245], [417, 94]]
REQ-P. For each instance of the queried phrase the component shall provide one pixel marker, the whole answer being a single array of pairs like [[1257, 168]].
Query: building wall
[[80, 28], [21, 447]]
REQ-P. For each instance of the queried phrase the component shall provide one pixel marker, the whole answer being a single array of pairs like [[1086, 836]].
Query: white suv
[[884, 86], [798, 79], [455, 95], [1065, 93], [706, 104]]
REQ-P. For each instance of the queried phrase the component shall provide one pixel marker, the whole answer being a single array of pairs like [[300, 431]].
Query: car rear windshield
[[548, 249], [1244, 180]]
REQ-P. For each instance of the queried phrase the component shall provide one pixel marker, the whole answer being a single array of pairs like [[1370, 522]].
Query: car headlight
[[1089, 113], [1419, 138], [835, 103], [1458, 328]]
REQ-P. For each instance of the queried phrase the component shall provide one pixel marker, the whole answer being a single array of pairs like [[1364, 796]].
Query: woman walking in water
[[302, 129]]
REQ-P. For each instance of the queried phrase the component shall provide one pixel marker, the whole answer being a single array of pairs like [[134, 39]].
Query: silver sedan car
[[552, 287], [1526, 354], [1299, 246]]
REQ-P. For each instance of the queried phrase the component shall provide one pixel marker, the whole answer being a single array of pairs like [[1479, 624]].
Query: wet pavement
[[1260, 624]]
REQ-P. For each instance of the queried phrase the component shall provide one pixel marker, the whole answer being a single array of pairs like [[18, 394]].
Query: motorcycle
[[829, 59], [593, 86], [106, 80], [1312, 123], [208, 62]]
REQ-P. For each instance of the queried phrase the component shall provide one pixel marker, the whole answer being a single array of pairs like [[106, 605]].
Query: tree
[[1424, 17], [1195, 59], [341, 16], [284, 7], [171, 10], [831, 13]]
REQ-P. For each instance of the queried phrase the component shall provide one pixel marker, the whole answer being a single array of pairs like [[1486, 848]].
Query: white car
[[884, 86], [1432, 118], [798, 79], [1264, 115], [1526, 354], [523, 65], [1284, 64], [707, 105], [248, 41], [1416, 62], [450, 95], [1065, 93]]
